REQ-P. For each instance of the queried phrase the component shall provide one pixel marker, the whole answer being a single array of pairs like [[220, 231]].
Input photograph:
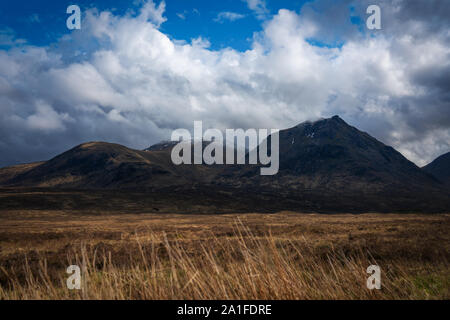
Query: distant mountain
[[164, 145], [325, 166], [440, 168], [101, 165]]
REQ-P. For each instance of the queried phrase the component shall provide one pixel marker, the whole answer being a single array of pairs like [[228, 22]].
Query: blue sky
[[41, 22]]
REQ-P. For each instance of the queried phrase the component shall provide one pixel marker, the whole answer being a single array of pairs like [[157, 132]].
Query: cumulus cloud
[[46, 118], [153, 13], [121, 79]]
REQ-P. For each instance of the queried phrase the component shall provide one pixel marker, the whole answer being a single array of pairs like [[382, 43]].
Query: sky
[[137, 70]]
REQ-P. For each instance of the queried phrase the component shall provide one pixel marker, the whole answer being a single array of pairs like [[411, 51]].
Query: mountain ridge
[[325, 165], [440, 168]]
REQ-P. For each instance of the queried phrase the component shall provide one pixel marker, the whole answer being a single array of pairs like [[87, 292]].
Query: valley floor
[[236, 256]]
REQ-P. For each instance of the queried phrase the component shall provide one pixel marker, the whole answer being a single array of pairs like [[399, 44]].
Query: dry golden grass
[[253, 256]]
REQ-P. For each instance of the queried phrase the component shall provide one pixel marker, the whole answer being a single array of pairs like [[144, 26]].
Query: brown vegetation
[[252, 256]]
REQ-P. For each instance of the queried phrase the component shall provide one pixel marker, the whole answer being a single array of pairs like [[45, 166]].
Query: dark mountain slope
[[334, 153], [8, 173], [331, 154], [111, 166], [440, 168]]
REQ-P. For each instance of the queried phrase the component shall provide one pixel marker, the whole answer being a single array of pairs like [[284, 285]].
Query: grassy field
[[251, 256]]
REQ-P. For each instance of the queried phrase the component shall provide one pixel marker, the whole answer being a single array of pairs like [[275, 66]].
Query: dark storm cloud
[[434, 14], [435, 78]]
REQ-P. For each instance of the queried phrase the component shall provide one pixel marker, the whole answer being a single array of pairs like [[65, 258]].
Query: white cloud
[[153, 13], [259, 7], [183, 15], [8, 38], [137, 85], [46, 119], [230, 16]]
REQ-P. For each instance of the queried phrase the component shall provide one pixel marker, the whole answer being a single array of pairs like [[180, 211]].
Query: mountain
[[329, 153], [325, 166], [164, 145], [440, 168], [9, 173], [100, 165]]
